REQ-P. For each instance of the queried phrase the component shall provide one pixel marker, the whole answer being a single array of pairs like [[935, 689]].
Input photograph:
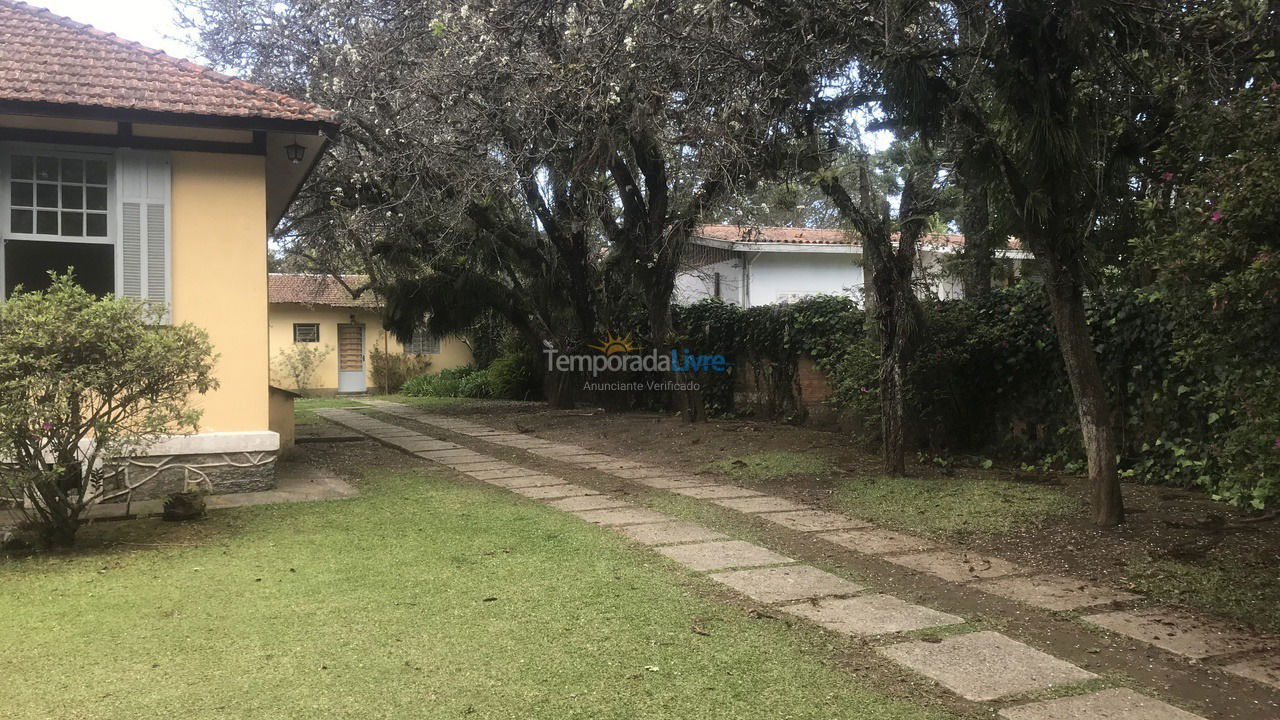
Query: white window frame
[[786, 298], [306, 324], [412, 347], [8, 150]]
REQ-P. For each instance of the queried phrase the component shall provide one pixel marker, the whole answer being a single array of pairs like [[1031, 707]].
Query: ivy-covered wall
[[988, 382]]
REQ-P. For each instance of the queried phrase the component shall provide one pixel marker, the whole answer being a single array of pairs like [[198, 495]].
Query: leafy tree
[[1213, 255], [890, 246], [1069, 97], [84, 382], [547, 161]]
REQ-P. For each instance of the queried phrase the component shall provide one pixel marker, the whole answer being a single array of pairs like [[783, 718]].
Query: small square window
[[95, 225], [20, 221], [22, 194], [72, 170], [46, 195], [22, 167], [306, 332], [423, 343], [95, 198], [72, 197], [95, 172], [72, 224], [47, 168], [47, 222]]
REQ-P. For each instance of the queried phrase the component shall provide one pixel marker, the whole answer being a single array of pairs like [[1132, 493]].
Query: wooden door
[[351, 375]]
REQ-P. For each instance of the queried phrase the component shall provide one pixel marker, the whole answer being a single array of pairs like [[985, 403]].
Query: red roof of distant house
[[303, 289], [47, 58], [802, 236]]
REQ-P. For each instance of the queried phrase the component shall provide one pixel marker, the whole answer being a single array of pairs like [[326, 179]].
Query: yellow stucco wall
[[219, 266], [453, 351]]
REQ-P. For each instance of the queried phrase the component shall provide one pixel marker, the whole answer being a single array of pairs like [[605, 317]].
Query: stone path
[[979, 666]]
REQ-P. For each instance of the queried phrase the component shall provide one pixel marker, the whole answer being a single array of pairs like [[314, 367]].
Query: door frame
[[364, 370]]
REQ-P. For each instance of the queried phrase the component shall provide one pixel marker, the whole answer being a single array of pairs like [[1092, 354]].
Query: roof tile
[[320, 290], [52, 59], [802, 236]]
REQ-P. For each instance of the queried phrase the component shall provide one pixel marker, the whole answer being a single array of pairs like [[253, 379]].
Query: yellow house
[[322, 316], [157, 179]]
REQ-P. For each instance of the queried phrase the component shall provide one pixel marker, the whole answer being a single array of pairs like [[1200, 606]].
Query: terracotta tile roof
[[47, 58], [802, 236], [319, 290]]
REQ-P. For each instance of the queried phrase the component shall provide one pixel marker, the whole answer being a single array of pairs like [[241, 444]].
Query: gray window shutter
[[145, 249]]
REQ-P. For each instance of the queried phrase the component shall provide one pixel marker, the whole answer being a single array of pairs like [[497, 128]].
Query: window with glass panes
[[58, 196]]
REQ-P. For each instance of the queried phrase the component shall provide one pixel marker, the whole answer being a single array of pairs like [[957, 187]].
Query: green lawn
[[304, 409], [778, 465], [952, 505], [423, 598], [1246, 590]]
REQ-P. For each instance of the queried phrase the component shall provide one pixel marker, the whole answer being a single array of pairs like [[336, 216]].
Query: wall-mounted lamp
[[294, 151]]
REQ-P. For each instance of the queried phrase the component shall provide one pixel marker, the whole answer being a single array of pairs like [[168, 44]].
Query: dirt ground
[[1166, 527]]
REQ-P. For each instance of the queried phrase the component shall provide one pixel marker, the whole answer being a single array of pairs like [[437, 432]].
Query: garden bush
[[391, 370], [446, 383], [85, 382]]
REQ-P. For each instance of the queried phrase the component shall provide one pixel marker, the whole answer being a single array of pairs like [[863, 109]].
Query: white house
[[746, 265]]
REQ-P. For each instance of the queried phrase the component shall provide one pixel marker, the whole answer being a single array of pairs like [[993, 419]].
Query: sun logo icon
[[612, 344]]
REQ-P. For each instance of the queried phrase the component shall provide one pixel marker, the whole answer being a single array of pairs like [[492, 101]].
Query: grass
[[952, 505], [767, 466], [304, 409], [1245, 591], [422, 598]]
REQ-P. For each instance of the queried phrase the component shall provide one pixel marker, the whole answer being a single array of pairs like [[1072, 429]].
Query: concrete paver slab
[[1180, 632], [589, 502], [624, 516], [762, 504], [1053, 592], [495, 474], [644, 471], [875, 541], [671, 483], [956, 566], [814, 520], [548, 492], [723, 555], [481, 465], [786, 584], [986, 665], [450, 454], [670, 533], [711, 492], [871, 615], [1265, 670], [530, 480], [588, 459], [1115, 704]]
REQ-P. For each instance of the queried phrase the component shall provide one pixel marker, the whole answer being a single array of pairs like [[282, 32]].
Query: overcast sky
[[150, 22]]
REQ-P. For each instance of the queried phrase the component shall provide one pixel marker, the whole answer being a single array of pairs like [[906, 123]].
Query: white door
[[351, 376]]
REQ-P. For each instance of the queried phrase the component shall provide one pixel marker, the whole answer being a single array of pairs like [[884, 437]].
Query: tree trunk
[[979, 246], [1097, 419], [561, 389], [689, 403], [54, 512]]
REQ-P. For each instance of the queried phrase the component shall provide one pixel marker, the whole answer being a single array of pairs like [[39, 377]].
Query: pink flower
[[1278, 442], [46, 426], [864, 389], [1216, 216], [1168, 177]]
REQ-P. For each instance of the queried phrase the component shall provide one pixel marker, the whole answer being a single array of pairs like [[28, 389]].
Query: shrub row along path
[[983, 666]]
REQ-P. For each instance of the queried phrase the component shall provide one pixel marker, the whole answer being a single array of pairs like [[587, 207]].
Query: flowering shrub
[[84, 381]]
